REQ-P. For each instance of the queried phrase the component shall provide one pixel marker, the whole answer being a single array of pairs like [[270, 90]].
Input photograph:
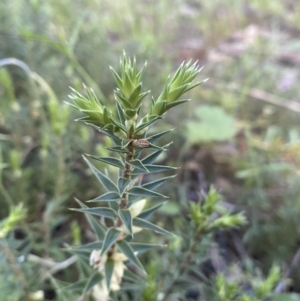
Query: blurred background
[[239, 133]]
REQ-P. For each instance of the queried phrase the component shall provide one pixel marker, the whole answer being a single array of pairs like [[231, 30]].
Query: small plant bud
[[142, 143]]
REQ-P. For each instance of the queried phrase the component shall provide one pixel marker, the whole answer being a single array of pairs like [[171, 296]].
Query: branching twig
[[53, 266]]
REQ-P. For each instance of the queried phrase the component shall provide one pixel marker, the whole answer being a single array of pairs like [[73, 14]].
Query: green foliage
[[249, 52], [212, 124], [262, 288], [129, 134], [16, 215]]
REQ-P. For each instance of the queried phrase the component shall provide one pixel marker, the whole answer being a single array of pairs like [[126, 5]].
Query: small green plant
[[261, 289], [125, 214], [215, 125]]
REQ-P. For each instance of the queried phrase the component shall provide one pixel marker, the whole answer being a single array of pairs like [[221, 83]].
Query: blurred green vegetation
[[250, 50]]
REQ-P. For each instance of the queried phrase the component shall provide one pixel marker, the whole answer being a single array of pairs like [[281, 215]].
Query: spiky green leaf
[[94, 279], [109, 268], [108, 133], [137, 164], [142, 223], [152, 157], [117, 149], [176, 103], [119, 126], [97, 227], [148, 123], [116, 76], [109, 160], [81, 254], [107, 183], [96, 245], [120, 113], [114, 205], [126, 218], [122, 184], [110, 238], [99, 211], [106, 197], [145, 214], [153, 169], [126, 249], [141, 191], [142, 247], [76, 287], [165, 147], [154, 184], [157, 136]]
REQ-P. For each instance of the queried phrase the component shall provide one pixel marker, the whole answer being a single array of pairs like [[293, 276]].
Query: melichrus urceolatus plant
[[124, 215]]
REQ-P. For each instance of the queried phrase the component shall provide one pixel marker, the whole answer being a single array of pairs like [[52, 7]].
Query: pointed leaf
[[117, 149], [110, 238], [153, 169], [146, 124], [124, 103], [108, 133], [84, 266], [155, 137], [119, 125], [195, 85], [130, 113], [126, 218], [154, 184], [109, 268], [114, 205], [126, 249], [141, 223], [122, 184], [116, 77], [95, 278], [137, 164], [130, 287], [141, 247], [132, 198], [76, 287], [96, 245], [133, 278], [108, 184], [95, 224], [152, 157], [141, 97], [121, 113], [176, 103], [145, 214], [106, 197], [84, 255], [135, 94], [99, 211], [144, 192], [160, 147], [109, 160]]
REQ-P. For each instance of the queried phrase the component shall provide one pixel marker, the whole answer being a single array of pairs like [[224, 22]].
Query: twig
[[53, 266]]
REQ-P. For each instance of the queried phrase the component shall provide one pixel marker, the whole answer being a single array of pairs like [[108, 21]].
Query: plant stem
[[126, 175], [184, 264]]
